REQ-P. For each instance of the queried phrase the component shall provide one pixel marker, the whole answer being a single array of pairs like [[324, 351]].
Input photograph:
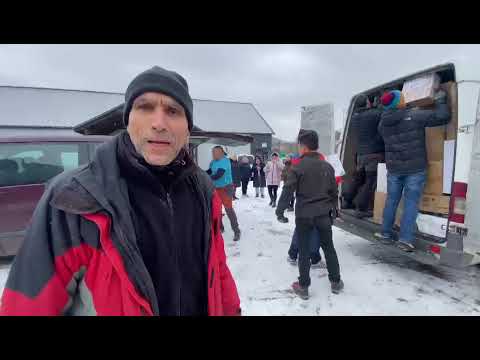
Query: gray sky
[[277, 79]]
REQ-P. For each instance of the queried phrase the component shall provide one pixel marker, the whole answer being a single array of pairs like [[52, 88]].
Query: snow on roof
[[52, 107], [27, 106]]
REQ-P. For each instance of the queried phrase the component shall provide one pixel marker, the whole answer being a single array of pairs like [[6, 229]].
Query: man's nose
[[159, 120]]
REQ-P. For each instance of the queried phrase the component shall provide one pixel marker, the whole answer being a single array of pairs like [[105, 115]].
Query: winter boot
[[337, 287], [291, 260], [274, 203], [234, 222], [384, 239], [407, 247], [300, 291], [257, 195], [236, 235], [271, 203]]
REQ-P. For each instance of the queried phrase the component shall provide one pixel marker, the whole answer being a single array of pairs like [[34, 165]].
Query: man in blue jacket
[[220, 172]]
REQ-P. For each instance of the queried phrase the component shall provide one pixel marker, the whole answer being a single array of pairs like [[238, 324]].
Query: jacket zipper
[[177, 248]]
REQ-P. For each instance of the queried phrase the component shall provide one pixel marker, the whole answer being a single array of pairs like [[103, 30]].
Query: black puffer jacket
[[365, 126], [236, 172], [403, 132], [258, 177], [313, 181]]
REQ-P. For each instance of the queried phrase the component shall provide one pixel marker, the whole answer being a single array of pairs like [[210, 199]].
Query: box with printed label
[[421, 90]]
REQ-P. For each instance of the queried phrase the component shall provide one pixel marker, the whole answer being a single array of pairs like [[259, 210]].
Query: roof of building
[[45, 107]]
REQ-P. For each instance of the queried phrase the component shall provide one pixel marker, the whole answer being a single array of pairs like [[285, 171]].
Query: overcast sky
[[277, 79]]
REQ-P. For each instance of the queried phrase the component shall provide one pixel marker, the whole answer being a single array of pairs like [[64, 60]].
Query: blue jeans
[[412, 188], [314, 246]]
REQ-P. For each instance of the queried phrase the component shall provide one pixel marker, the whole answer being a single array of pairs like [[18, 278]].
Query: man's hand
[[281, 218]]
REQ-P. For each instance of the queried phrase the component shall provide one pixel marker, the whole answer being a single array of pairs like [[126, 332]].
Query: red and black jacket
[[80, 255]]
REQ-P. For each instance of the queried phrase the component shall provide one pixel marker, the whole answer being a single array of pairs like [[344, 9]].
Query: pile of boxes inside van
[[440, 145]]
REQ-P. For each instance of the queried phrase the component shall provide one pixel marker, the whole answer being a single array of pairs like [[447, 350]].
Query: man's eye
[[172, 111]]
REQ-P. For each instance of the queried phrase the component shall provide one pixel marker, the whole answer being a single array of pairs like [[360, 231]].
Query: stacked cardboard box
[[421, 91]]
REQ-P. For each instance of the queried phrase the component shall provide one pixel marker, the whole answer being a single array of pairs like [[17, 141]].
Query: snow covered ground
[[377, 282]]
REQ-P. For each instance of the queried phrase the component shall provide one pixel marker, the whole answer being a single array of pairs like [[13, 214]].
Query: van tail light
[[435, 249], [458, 202]]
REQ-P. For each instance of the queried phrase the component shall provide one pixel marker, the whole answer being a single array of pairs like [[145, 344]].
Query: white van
[[456, 239]]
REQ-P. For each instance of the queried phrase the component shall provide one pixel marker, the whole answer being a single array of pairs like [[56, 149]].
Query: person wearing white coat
[[273, 172]]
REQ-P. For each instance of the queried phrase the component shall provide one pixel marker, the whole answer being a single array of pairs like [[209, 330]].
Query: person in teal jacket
[[220, 172]]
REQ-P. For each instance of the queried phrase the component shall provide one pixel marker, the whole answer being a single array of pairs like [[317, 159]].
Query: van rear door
[[472, 210]]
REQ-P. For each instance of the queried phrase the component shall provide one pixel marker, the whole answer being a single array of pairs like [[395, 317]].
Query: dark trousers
[[292, 203], [324, 227], [272, 192], [244, 187], [361, 190], [315, 256]]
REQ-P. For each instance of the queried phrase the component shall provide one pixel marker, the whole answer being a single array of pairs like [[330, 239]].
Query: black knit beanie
[[163, 81]]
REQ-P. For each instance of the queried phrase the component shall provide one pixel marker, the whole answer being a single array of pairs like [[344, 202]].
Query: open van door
[[472, 205]]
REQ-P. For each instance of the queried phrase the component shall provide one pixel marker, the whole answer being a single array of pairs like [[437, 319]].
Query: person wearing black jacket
[[403, 131], [245, 174], [359, 193], [313, 181], [258, 177], [237, 180]]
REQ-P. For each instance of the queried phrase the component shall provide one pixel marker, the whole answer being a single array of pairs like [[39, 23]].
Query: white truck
[[456, 239]]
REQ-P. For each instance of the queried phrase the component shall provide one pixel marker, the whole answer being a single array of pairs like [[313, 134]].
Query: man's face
[[217, 153], [158, 128]]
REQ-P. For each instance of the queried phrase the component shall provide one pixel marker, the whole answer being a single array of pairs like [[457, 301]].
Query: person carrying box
[[403, 131]]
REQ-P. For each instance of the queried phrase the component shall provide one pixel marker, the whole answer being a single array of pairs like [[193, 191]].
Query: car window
[[26, 164]]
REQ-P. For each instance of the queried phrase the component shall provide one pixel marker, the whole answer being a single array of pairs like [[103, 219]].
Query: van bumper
[[450, 256]]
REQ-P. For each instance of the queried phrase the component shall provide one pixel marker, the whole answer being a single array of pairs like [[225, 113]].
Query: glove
[[282, 219]]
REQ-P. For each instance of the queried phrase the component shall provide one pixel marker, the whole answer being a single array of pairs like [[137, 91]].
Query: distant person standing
[[245, 174], [314, 182], [286, 169], [237, 180], [220, 172], [273, 171], [258, 177]]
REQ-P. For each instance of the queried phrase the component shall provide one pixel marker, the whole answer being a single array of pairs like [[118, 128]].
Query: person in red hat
[[403, 131]]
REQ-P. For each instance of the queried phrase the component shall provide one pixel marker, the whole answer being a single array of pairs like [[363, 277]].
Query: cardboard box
[[382, 178], [434, 183], [448, 160], [434, 139], [452, 98], [420, 91], [436, 204]]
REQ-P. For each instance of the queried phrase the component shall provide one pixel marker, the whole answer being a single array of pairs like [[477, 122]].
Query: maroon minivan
[[26, 165]]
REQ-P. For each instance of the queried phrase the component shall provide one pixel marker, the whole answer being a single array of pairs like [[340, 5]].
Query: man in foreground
[[136, 231], [313, 180]]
